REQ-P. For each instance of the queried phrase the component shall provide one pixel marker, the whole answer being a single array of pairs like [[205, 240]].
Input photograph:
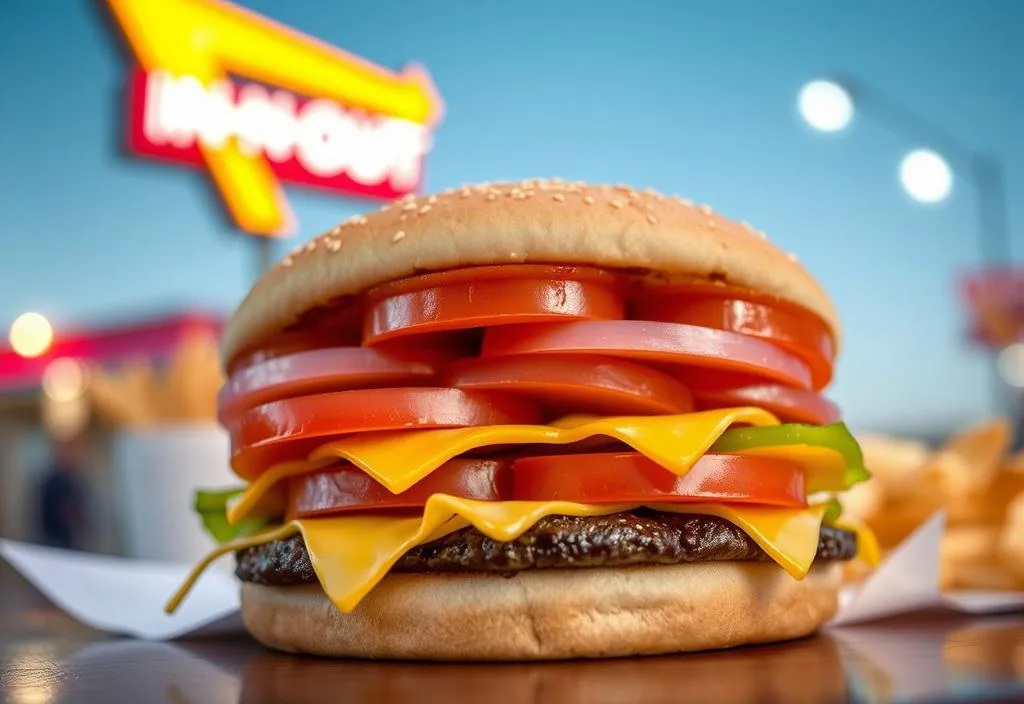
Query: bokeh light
[[1011, 364], [826, 106], [31, 334], [63, 379], [926, 176]]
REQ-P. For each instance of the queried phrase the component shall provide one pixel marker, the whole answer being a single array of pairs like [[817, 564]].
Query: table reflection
[[778, 673], [900, 661]]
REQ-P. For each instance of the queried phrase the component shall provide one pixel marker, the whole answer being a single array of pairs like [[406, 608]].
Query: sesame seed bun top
[[533, 221]]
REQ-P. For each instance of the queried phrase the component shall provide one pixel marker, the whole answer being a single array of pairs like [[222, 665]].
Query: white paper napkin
[[127, 596]]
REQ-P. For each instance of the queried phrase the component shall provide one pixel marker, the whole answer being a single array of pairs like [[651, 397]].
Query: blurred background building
[[881, 141]]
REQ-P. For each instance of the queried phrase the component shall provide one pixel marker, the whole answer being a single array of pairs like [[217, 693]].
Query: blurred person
[[62, 498]]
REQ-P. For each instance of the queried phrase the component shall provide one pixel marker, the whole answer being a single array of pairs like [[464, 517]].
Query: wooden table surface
[[46, 657]]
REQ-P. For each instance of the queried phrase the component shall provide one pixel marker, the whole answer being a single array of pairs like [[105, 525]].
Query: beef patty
[[555, 542]]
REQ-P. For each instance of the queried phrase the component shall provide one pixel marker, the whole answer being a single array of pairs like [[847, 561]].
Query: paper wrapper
[[126, 596]]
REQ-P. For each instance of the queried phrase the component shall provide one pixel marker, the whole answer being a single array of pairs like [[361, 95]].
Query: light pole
[[265, 247], [829, 104]]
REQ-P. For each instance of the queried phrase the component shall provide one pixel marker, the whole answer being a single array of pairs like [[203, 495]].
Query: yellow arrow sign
[[211, 40]]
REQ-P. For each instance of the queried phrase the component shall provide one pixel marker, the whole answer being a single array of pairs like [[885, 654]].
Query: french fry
[[971, 460], [1011, 543], [971, 476], [896, 463], [137, 395], [864, 500], [977, 574]]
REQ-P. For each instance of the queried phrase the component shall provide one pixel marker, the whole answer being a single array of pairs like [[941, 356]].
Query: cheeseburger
[[536, 420]]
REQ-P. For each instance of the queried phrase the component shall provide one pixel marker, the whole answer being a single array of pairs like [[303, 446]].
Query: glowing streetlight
[[926, 176], [30, 335], [826, 106]]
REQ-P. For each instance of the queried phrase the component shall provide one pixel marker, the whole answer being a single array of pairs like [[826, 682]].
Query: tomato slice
[[485, 296], [662, 343], [566, 384], [347, 488], [789, 405], [291, 428], [318, 370], [289, 343], [795, 329], [630, 477]]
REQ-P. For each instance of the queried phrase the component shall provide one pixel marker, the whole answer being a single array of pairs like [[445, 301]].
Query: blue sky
[[690, 97]]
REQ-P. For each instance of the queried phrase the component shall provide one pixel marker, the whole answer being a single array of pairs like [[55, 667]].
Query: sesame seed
[[574, 189], [650, 191], [680, 199], [399, 236], [792, 257], [617, 203], [311, 245], [651, 219], [559, 197], [432, 199], [530, 194], [746, 226], [588, 200], [407, 198], [705, 209], [492, 196], [711, 224], [402, 217], [465, 193], [287, 261], [409, 207], [334, 245], [424, 210], [337, 229], [625, 189]]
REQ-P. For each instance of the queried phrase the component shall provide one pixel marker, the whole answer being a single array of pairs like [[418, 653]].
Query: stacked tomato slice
[[527, 344]]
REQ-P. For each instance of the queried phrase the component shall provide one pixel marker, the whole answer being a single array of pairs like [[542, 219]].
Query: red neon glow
[[150, 340]]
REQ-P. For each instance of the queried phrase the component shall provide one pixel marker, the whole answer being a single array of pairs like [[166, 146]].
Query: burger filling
[[506, 418], [556, 542]]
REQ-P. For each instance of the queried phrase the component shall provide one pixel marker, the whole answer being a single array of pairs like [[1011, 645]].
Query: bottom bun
[[549, 614]]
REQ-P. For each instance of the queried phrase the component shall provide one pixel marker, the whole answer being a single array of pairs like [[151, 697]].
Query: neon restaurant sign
[[258, 104]]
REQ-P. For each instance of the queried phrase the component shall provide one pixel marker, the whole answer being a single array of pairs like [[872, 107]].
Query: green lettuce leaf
[[212, 509]]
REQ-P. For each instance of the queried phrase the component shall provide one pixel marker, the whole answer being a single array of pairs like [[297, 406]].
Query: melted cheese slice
[[399, 459], [351, 554], [868, 550]]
